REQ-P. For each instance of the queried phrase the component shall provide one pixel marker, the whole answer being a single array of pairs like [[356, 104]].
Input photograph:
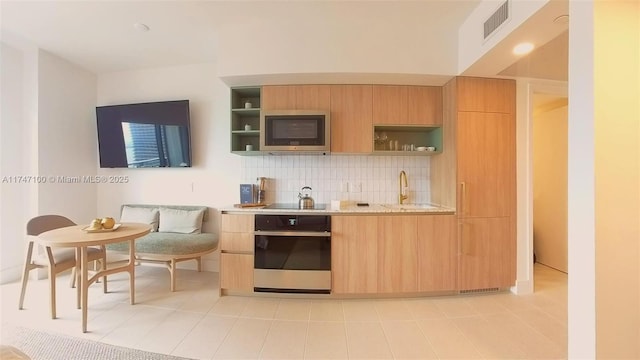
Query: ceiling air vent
[[496, 19]]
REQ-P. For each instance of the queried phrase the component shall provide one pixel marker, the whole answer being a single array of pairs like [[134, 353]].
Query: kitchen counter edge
[[372, 209]]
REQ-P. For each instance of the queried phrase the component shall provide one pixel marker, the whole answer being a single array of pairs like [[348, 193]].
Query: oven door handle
[[294, 233]]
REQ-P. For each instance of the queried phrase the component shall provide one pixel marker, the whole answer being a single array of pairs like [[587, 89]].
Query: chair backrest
[[40, 224]]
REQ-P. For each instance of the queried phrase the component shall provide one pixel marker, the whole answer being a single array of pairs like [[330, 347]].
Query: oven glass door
[[293, 252]]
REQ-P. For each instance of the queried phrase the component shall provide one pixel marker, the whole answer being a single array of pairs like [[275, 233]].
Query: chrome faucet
[[403, 189]]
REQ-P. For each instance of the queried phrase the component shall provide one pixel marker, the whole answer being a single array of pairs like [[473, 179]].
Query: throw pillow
[[140, 215], [181, 221]]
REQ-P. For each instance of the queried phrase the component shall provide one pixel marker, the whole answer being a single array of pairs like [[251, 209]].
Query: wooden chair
[[56, 260]]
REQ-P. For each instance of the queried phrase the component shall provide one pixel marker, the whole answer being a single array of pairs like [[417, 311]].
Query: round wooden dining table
[[79, 238]]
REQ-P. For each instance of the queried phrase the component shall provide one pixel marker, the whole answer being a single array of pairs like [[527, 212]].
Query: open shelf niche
[[245, 120], [387, 135]]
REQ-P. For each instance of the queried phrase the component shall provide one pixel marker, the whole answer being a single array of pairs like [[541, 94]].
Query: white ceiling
[[550, 61], [100, 36]]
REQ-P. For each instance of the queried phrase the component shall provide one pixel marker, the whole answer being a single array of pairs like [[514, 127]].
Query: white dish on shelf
[[114, 228], [421, 148]]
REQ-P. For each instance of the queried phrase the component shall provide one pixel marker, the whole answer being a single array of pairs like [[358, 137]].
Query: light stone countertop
[[348, 209]]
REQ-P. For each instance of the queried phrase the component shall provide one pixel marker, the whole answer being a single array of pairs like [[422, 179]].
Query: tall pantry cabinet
[[481, 117]]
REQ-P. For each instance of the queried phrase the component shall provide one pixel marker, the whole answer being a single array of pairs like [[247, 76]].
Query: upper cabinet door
[[313, 97], [279, 97], [351, 118], [296, 97], [407, 105], [389, 105], [486, 164], [424, 105], [486, 95]]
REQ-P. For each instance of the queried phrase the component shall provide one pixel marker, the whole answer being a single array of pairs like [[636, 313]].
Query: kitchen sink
[[409, 206]]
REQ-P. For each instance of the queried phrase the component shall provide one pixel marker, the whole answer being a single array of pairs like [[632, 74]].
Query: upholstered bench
[[176, 235]]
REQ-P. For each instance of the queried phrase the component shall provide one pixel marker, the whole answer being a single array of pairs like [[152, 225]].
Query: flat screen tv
[[145, 135]]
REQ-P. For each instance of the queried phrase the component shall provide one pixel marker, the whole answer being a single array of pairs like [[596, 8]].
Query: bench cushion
[[180, 220], [137, 214], [171, 244]]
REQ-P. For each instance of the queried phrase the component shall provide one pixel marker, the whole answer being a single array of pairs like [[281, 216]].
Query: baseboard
[[11, 274], [522, 287]]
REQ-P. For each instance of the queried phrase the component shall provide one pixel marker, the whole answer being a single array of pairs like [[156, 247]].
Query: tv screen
[[144, 135]]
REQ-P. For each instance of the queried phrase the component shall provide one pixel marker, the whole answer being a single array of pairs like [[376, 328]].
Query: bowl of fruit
[[102, 225]]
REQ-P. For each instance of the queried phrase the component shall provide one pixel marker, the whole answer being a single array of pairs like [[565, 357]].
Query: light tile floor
[[195, 322]]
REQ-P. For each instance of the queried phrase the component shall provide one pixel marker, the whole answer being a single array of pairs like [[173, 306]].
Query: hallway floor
[[195, 322]]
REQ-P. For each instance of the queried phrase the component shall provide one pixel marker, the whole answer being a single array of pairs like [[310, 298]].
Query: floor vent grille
[[477, 291], [496, 19]]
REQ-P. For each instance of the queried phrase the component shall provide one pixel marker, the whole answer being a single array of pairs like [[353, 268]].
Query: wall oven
[[292, 254]]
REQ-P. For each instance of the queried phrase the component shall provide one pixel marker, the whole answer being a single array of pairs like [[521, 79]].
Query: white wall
[[525, 92], [66, 138], [13, 128], [581, 189], [329, 39], [550, 187], [616, 124], [47, 130], [215, 175]]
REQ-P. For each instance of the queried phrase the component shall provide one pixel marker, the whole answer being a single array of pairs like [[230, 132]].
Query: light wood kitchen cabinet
[[483, 117], [397, 254], [278, 97], [437, 252], [413, 113], [296, 97], [237, 223], [236, 257], [487, 253], [486, 95], [352, 118], [236, 272], [424, 105], [486, 164], [407, 105], [313, 97], [389, 104], [354, 254], [236, 242], [393, 254]]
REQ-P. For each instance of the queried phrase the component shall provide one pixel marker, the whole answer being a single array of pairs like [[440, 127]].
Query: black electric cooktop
[[292, 206]]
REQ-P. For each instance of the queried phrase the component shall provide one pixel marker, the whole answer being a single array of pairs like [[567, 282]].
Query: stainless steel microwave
[[295, 130]]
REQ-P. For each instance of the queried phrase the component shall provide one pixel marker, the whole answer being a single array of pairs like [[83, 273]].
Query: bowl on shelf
[[421, 148], [431, 148]]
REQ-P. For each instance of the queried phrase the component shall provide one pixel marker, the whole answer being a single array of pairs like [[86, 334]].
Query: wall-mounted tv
[[145, 135]]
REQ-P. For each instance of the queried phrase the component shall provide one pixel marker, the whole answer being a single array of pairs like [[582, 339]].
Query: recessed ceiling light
[[141, 27], [523, 48], [562, 19]]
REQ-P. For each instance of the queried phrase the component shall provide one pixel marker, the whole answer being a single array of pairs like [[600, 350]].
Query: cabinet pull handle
[[460, 228], [463, 197]]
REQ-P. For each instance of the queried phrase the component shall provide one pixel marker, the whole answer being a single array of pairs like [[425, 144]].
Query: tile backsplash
[[367, 178]]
